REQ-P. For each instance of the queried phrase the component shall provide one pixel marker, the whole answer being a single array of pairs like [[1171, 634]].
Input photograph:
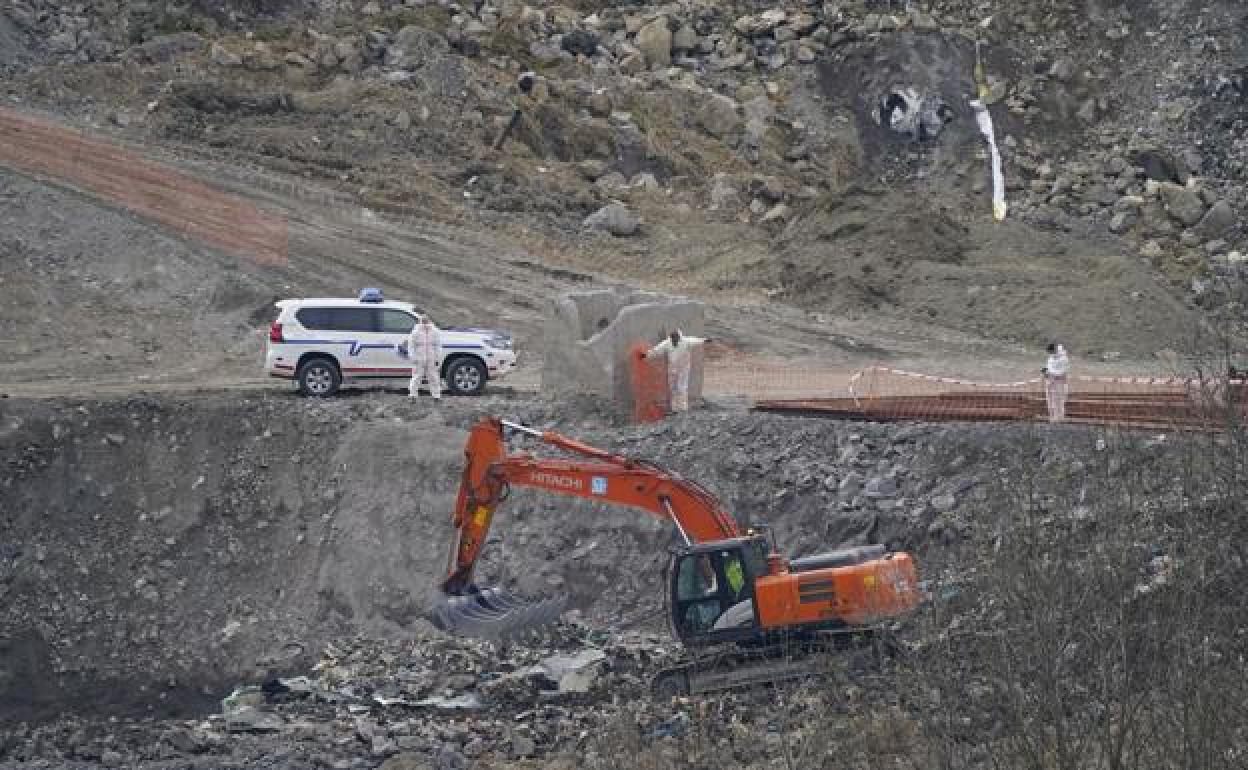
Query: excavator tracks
[[732, 667]]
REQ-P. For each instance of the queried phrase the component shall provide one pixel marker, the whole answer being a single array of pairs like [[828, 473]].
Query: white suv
[[324, 343]]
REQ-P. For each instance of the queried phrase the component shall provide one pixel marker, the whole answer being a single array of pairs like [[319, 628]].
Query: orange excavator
[[726, 587]]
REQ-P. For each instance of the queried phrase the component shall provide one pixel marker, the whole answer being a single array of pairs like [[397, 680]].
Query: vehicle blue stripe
[[356, 346]]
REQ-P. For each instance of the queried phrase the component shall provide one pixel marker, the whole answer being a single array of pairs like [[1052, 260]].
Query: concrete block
[[588, 336]]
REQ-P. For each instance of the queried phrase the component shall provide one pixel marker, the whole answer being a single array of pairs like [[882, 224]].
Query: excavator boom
[[489, 473]]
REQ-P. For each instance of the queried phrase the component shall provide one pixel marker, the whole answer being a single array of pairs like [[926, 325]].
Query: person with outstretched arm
[[679, 349]]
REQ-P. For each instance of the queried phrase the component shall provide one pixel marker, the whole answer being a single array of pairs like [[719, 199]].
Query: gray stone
[[592, 169], [777, 213], [880, 487], [655, 42], [633, 64], [406, 762], [1183, 203], [574, 672], [612, 180], [943, 503], [719, 116], [724, 194], [466, 702], [63, 42], [1122, 221], [646, 181], [163, 48], [415, 47], [850, 485], [599, 104], [1063, 69], [614, 218], [684, 39], [249, 719], [297, 61], [1219, 219], [1099, 194], [522, 746], [224, 57], [579, 42]]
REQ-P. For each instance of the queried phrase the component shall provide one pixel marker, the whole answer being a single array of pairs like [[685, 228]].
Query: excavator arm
[[490, 471]]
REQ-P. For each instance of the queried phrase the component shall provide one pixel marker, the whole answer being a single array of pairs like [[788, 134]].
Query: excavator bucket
[[494, 613]]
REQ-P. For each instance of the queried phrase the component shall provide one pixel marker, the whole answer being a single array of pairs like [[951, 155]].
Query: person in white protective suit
[[678, 348], [1056, 385], [424, 347]]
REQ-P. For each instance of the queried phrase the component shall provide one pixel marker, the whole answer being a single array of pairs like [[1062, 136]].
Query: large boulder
[[719, 116], [415, 47], [614, 218], [581, 42], [1183, 203], [1216, 221], [655, 42]]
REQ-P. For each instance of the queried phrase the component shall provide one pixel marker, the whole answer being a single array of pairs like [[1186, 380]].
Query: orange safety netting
[[884, 393], [102, 168]]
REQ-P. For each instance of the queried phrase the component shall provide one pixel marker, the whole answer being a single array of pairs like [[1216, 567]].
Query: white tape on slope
[[984, 120]]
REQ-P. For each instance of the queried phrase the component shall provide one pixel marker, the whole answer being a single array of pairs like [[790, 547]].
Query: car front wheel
[[466, 377], [318, 378]]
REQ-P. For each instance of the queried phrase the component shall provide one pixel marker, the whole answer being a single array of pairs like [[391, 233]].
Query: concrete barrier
[[588, 335]]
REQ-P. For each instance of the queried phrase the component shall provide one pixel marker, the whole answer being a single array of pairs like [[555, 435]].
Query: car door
[[355, 331], [393, 328]]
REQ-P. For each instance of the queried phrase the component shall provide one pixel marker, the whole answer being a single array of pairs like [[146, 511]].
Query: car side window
[[314, 318], [353, 319], [396, 322]]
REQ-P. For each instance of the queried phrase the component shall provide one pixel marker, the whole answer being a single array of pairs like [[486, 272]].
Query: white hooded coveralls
[[1056, 383], [679, 364], [424, 347]]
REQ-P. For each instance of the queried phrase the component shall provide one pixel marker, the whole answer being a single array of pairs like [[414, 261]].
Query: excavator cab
[[712, 590]]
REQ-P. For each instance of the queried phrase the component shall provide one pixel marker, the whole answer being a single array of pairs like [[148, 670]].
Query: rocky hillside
[[822, 154]]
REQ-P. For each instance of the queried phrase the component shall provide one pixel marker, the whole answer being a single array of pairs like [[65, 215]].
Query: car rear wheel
[[318, 377], [466, 377]]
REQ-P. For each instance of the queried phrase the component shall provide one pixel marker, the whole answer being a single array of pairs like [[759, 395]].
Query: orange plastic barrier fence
[[650, 390], [884, 393], [153, 190]]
